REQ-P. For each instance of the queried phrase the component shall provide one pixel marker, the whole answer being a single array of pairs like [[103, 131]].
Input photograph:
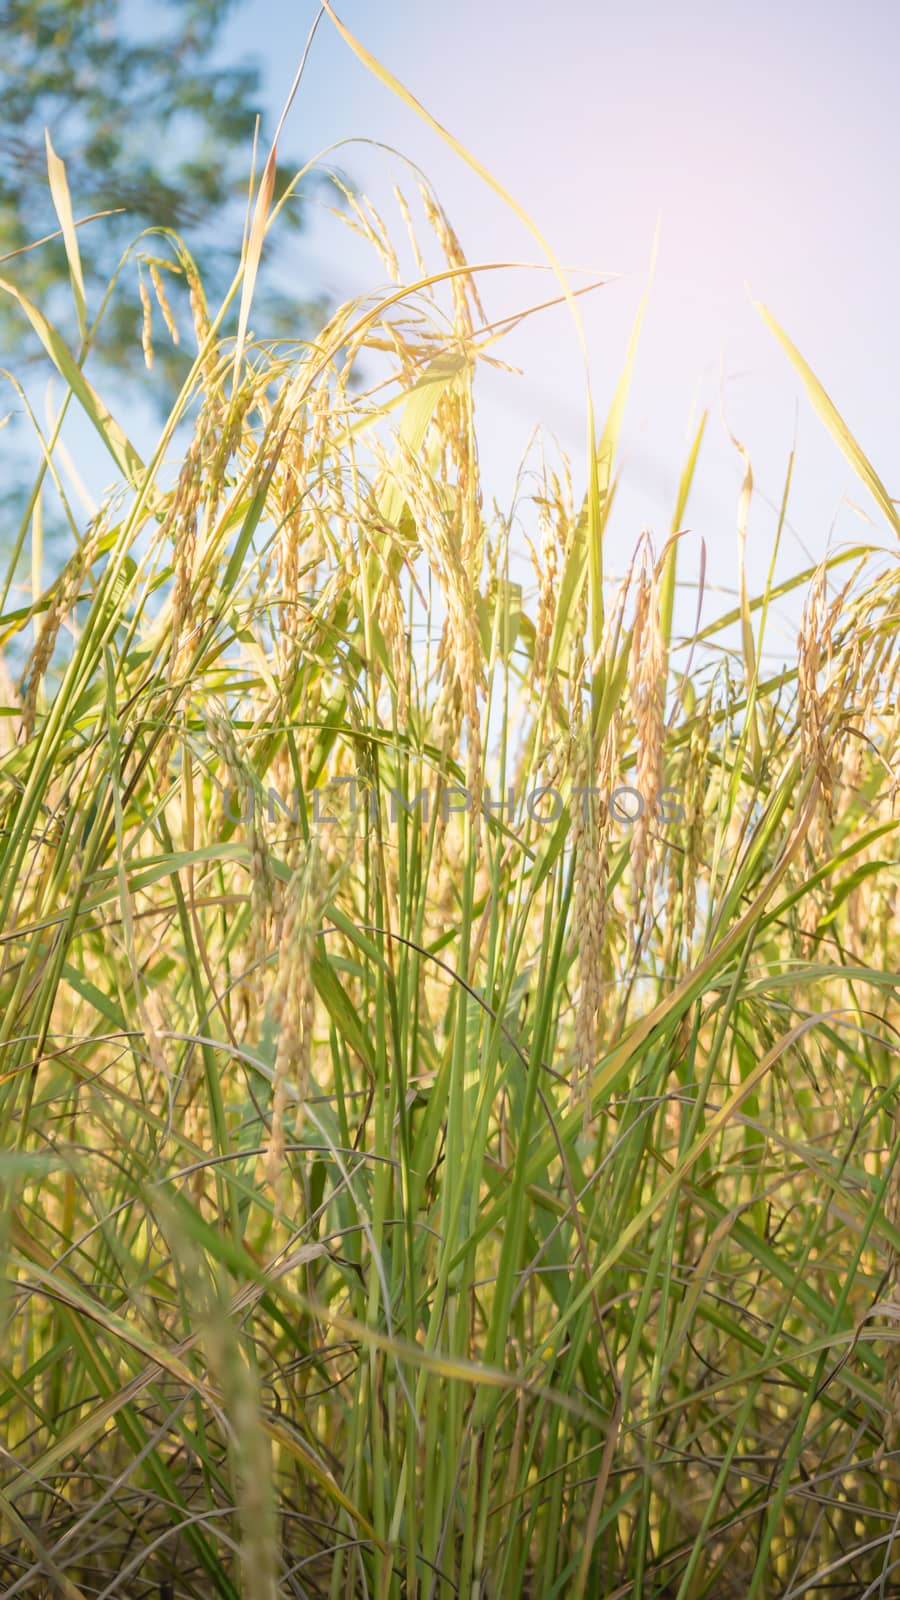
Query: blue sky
[[765, 143]]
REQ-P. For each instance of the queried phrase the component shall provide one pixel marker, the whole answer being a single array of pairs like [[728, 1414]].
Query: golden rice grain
[[146, 325], [163, 303], [293, 1007], [647, 692]]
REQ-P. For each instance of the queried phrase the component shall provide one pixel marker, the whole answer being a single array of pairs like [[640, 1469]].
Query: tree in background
[[151, 121]]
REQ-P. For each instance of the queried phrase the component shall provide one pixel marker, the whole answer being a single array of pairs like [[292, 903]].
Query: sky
[[761, 142], [748, 154]]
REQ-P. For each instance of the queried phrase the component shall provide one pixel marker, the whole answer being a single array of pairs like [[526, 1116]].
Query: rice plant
[[448, 1018]]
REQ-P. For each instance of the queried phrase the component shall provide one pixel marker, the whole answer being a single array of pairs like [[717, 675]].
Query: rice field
[[448, 1013]]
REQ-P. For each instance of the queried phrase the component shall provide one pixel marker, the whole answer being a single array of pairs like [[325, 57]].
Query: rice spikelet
[[163, 303], [64, 594], [647, 673], [263, 890], [293, 1008], [146, 325], [590, 839]]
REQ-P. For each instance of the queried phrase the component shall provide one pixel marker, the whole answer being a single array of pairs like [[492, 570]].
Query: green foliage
[[154, 123]]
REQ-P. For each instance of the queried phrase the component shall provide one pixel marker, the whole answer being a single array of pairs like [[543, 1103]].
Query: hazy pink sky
[[765, 140]]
